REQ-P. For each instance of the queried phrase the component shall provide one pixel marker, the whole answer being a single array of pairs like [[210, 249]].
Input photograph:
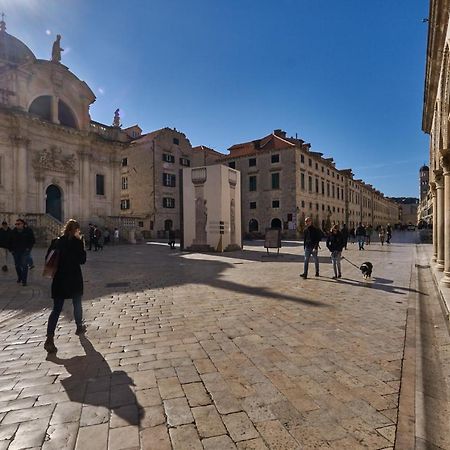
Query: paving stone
[[208, 421], [29, 414], [170, 388], [218, 443], [94, 415], [196, 394], [155, 438], [225, 402], [123, 438], [29, 434], [185, 437], [152, 416], [95, 436], [240, 427], [61, 437], [148, 397], [178, 412], [187, 374], [66, 412], [252, 444], [124, 415], [204, 366], [276, 435]]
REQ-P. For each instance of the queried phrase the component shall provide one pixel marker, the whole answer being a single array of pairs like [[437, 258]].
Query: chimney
[[280, 133]]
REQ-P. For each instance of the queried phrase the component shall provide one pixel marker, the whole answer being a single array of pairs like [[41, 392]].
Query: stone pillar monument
[[201, 211], [439, 218]]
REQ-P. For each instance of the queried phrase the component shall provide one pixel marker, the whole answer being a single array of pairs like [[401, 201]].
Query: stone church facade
[[55, 162]]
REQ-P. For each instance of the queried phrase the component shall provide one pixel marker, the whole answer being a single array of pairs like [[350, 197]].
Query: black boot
[[81, 329], [49, 345]]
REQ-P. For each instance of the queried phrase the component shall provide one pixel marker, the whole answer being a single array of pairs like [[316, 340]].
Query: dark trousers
[[58, 304], [21, 263]]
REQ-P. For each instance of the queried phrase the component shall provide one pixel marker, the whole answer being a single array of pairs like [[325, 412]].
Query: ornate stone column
[[445, 163], [20, 168], [439, 216], [434, 200], [85, 198]]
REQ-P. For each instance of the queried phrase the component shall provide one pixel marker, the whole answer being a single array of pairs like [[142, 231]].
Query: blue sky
[[346, 76]]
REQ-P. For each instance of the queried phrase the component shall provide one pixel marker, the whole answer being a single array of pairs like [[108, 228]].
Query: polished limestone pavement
[[192, 351]]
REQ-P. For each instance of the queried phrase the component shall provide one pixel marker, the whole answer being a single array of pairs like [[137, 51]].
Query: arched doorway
[[168, 224], [53, 202], [253, 226], [276, 223]]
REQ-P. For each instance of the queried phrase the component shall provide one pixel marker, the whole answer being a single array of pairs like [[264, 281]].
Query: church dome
[[12, 49]]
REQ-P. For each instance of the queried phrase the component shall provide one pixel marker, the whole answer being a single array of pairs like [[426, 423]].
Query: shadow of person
[[92, 382]]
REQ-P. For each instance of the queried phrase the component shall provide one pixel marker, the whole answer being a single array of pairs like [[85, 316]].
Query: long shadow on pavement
[[91, 380]]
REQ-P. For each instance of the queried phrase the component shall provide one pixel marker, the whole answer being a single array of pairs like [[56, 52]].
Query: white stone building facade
[[55, 163]]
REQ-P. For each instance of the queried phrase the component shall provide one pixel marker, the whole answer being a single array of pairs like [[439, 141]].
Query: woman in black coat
[[68, 279], [335, 244]]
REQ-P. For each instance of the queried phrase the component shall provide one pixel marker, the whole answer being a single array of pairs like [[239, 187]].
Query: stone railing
[[128, 227]]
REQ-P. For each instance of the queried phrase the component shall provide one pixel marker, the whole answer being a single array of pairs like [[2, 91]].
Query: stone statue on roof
[[116, 121], [56, 49]]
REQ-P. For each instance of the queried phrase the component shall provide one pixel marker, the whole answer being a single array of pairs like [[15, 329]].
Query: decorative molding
[[54, 160]]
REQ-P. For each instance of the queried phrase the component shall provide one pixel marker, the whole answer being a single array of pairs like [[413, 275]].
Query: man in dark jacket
[[361, 236], [311, 244], [22, 241], [5, 244]]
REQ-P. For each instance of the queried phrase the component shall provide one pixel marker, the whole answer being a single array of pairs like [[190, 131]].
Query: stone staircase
[[45, 227]]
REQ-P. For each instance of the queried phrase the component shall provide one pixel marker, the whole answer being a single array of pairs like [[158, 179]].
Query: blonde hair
[[70, 227]]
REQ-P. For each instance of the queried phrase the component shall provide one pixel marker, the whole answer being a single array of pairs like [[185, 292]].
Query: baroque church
[[55, 162]]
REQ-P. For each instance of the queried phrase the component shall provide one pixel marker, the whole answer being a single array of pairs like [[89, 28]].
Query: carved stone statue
[[116, 121], [56, 49]]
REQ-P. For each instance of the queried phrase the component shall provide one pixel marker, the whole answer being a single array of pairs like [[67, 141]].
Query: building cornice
[[437, 30]]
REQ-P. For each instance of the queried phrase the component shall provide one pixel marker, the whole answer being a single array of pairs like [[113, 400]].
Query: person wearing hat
[[5, 245]]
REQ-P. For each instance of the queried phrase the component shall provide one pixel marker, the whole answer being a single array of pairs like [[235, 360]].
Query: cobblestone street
[[192, 351]]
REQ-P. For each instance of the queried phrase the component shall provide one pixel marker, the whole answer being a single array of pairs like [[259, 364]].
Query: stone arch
[[66, 116], [42, 107], [253, 226], [54, 202], [276, 223]]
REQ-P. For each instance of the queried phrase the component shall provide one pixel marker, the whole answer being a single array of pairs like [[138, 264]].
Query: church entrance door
[[53, 202]]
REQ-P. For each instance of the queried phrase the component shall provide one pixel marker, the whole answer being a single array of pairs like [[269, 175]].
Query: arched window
[[42, 107], [253, 225], [65, 115], [276, 223]]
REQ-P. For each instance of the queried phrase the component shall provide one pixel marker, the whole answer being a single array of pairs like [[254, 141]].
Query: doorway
[[53, 202]]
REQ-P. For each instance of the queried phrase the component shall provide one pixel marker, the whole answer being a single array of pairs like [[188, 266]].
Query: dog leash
[[354, 265]]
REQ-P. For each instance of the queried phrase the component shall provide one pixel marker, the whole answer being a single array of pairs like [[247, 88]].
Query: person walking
[[30, 262], [312, 237], [5, 244], [352, 235], [361, 236], [68, 279], [381, 235], [116, 236], [22, 242], [388, 233], [335, 243], [91, 235]]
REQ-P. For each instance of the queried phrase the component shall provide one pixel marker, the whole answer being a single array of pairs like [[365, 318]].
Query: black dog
[[366, 269]]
